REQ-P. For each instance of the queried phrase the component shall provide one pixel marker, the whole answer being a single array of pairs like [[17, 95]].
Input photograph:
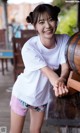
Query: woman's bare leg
[[36, 121], [17, 123]]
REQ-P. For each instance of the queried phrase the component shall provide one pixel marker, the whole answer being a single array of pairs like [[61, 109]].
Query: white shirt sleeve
[[32, 58], [63, 58]]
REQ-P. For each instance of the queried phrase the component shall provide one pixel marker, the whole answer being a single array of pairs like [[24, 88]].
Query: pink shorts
[[21, 108]]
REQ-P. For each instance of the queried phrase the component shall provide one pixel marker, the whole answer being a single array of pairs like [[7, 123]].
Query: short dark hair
[[40, 9]]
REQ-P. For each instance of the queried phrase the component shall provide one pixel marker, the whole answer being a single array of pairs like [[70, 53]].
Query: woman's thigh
[[17, 122], [36, 120], [18, 113]]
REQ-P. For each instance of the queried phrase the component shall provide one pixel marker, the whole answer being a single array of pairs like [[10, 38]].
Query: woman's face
[[46, 26]]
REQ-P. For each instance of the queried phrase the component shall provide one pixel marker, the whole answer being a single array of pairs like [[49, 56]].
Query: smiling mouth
[[49, 32]]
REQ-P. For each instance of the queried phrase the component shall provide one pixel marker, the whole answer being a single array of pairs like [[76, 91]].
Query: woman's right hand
[[59, 92], [60, 88]]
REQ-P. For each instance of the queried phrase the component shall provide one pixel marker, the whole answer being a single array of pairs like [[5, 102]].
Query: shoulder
[[63, 37], [30, 44]]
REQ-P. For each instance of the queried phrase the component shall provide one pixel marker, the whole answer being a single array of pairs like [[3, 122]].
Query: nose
[[47, 24]]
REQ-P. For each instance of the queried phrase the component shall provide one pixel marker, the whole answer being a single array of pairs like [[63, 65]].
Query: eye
[[50, 19], [41, 22]]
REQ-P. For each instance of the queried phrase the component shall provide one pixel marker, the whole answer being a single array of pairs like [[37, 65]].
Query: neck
[[49, 43]]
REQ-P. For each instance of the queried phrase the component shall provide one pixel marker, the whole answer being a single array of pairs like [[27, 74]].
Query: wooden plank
[[64, 122], [74, 84]]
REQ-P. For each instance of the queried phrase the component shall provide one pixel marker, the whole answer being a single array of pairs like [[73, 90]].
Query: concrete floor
[[6, 83]]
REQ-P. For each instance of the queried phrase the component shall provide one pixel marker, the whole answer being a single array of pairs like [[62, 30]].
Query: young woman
[[42, 56]]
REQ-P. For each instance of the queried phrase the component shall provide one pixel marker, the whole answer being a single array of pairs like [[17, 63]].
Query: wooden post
[[74, 82], [5, 20]]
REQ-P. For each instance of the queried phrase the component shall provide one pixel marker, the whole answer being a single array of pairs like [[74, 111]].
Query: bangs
[[40, 11], [34, 16]]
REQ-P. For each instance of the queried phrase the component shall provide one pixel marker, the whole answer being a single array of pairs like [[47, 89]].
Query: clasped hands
[[60, 89]]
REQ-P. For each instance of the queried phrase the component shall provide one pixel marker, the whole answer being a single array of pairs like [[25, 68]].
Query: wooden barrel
[[73, 52]]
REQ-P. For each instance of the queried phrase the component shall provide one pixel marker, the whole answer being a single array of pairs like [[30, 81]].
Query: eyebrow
[[41, 20]]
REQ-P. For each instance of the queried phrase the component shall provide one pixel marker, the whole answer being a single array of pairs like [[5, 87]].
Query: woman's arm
[[64, 71], [62, 80], [56, 81], [51, 75]]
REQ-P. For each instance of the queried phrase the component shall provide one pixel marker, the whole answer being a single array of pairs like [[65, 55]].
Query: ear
[[35, 27], [57, 22]]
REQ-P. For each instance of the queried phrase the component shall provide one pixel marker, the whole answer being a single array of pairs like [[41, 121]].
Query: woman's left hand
[[60, 88]]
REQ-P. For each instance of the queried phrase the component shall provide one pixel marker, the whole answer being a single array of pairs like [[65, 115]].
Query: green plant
[[68, 21]]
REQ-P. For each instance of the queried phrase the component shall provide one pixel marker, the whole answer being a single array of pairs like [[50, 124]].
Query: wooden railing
[[17, 46], [28, 33], [17, 59]]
